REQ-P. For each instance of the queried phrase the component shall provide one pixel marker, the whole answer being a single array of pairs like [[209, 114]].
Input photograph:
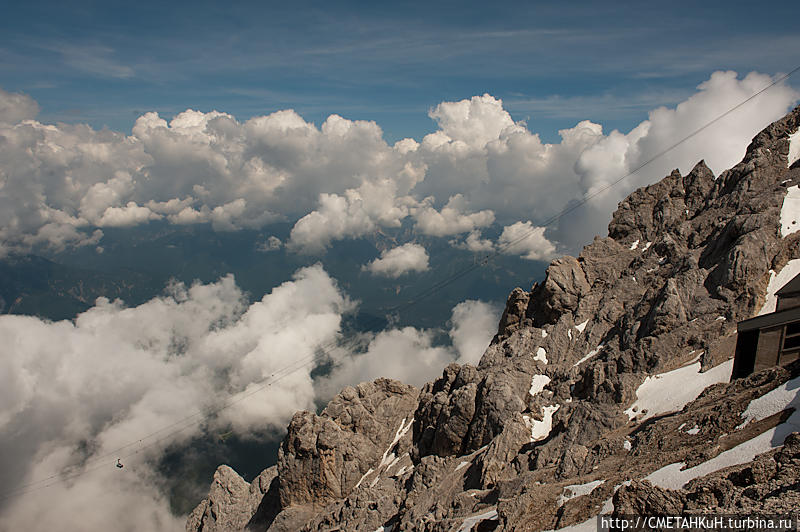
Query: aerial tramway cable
[[325, 350]]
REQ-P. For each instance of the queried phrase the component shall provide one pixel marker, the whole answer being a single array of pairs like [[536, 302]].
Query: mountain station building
[[772, 339]]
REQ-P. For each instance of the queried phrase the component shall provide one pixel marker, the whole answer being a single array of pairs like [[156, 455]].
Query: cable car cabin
[[772, 339]]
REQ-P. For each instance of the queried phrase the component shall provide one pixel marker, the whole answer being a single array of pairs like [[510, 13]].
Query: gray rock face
[[562, 289], [231, 501], [446, 409], [770, 485], [518, 439], [323, 457]]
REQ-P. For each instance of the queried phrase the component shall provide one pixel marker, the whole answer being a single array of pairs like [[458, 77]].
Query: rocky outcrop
[[769, 485], [563, 288], [231, 503], [542, 434], [323, 458]]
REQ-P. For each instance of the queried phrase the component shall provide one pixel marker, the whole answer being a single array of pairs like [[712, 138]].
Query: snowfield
[[794, 148], [790, 212], [776, 282], [576, 490], [783, 397], [778, 400], [671, 391]]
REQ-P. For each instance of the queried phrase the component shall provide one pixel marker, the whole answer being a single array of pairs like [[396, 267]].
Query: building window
[[791, 338]]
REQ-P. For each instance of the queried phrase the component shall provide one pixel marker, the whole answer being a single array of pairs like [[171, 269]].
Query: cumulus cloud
[[526, 240], [399, 261], [407, 354], [16, 107], [451, 219], [71, 392], [410, 354], [129, 215], [474, 122], [342, 179], [273, 243], [74, 393], [721, 145], [353, 214], [473, 324], [473, 242]]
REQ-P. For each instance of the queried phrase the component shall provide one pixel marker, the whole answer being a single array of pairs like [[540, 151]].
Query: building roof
[[773, 319], [792, 287]]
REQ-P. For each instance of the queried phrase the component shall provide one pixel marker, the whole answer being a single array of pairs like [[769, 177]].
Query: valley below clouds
[[194, 363]]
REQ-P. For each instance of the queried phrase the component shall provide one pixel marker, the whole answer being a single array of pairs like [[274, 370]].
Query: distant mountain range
[[136, 264]]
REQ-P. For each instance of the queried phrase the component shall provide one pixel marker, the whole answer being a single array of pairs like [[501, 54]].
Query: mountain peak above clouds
[[606, 388]]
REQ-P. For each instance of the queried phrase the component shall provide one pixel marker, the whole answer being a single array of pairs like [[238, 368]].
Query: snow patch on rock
[[388, 456], [673, 477], [776, 282], [541, 429], [541, 355], [576, 490], [790, 211], [365, 475], [588, 355], [470, 522], [671, 391], [794, 148], [785, 396], [538, 382], [461, 465]]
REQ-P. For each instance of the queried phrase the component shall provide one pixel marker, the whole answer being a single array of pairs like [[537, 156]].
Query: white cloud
[[400, 260], [406, 354], [129, 215], [451, 219], [473, 324], [523, 238], [72, 392], [474, 243], [474, 122], [273, 243], [351, 215], [341, 179], [409, 354], [721, 145], [16, 107]]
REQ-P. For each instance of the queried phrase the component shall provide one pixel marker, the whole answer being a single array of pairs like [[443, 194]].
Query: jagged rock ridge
[[549, 408]]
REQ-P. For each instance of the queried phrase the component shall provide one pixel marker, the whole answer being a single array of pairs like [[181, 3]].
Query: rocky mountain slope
[[605, 389]]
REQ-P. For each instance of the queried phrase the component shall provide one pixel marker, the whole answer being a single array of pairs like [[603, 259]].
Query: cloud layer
[[412, 355], [71, 393], [62, 184]]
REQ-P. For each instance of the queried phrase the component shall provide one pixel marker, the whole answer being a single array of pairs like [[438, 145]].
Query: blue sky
[[105, 63], [478, 178]]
